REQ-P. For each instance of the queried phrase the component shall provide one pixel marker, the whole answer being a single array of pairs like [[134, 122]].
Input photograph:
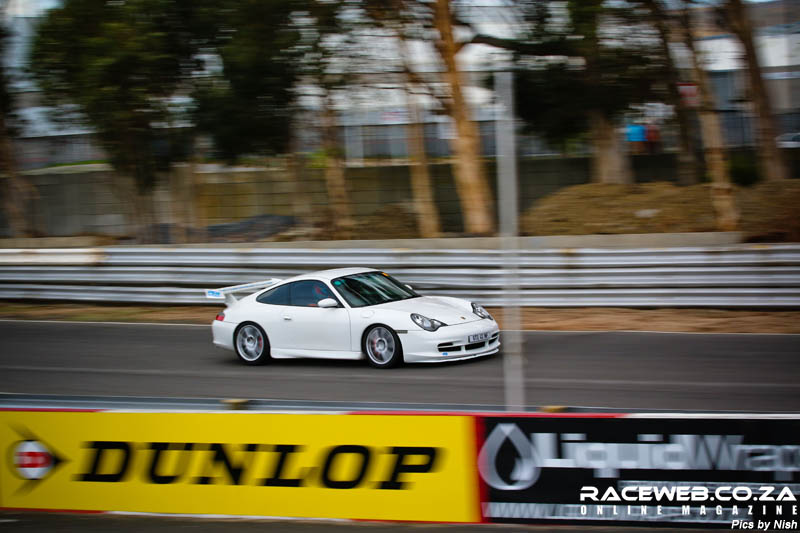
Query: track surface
[[21, 521], [601, 369]]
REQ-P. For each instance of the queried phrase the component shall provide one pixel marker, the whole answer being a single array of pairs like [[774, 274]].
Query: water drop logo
[[526, 467]]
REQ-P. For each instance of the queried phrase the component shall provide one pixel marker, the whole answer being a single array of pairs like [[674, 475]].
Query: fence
[[764, 276]]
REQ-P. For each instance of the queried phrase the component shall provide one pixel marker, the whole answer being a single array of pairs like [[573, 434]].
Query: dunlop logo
[[268, 465]]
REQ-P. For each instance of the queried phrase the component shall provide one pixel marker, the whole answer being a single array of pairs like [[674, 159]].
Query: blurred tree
[[338, 197], [428, 221], [722, 197], [328, 59], [274, 54], [581, 73], [771, 161], [391, 17], [689, 164], [244, 100], [15, 190], [246, 106], [476, 196], [436, 23], [118, 64]]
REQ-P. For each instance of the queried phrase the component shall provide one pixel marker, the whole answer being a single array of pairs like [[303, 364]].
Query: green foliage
[[600, 70], [5, 97], [542, 100], [743, 167], [117, 64], [120, 64], [266, 48], [10, 120], [247, 110]]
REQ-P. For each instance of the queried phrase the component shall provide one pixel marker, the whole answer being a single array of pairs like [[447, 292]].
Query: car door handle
[[287, 317]]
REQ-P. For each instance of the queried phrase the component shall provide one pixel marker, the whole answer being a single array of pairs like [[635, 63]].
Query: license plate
[[478, 337]]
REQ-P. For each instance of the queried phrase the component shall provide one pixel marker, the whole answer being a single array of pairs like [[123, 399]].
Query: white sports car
[[350, 313]]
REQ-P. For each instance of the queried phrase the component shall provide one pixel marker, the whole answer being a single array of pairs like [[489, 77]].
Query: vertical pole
[[507, 207]]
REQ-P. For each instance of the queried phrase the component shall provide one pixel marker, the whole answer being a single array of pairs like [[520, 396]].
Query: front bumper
[[450, 343]]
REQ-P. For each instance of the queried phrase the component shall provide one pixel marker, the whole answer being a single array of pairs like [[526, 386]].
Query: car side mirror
[[328, 302], [409, 286]]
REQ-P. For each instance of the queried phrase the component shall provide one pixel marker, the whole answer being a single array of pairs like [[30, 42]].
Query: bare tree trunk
[[771, 161], [689, 164], [179, 206], [142, 217], [198, 216], [139, 206], [610, 163], [421, 189], [334, 177], [428, 222], [17, 191], [190, 199], [296, 171], [473, 190], [197, 231], [722, 197]]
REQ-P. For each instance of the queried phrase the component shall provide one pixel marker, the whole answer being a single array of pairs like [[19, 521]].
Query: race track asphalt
[[15, 521], [629, 370]]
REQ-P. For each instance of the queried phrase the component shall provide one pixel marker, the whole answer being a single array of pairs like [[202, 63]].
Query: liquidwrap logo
[[606, 459]]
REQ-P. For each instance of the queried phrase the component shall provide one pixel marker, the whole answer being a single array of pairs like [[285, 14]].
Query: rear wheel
[[251, 344], [382, 347]]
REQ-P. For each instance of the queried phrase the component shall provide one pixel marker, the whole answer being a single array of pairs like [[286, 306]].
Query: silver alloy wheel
[[380, 345], [250, 343]]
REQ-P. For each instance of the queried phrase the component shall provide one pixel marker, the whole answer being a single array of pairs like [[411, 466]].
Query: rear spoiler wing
[[227, 293]]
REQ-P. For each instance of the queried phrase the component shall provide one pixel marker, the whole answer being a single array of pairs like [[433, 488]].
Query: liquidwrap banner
[[289, 465], [630, 470]]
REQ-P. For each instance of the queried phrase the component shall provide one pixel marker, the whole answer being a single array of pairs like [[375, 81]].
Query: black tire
[[382, 346], [251, 344]]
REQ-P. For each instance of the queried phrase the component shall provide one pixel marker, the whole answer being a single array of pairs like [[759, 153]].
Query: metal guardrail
[[724, 276]]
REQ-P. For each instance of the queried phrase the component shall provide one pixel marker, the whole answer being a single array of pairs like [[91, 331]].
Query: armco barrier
[[723, 276], [587, 468]]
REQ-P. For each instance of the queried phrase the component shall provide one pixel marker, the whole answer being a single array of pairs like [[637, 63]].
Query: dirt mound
[[393, 221], [533, 318], [769, 211]]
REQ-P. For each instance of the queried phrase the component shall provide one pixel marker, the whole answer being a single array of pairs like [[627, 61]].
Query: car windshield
[[372, 288]]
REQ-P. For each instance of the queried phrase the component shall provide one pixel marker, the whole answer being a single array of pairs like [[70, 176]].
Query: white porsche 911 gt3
[[350, 313]]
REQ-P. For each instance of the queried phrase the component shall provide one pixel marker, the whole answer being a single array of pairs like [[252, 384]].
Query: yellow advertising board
[[395, 467]]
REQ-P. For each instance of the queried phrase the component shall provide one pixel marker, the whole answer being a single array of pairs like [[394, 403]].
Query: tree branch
[[560, 47]]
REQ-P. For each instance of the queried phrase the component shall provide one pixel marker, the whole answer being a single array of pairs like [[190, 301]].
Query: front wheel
[[251, 344], [382, 347]]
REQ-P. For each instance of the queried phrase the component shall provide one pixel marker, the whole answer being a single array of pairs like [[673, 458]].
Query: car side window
[[276, 296], [307, 293]]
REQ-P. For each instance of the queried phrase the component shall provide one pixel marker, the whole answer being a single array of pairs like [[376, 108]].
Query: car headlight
[[428, 324], [480, 311]]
